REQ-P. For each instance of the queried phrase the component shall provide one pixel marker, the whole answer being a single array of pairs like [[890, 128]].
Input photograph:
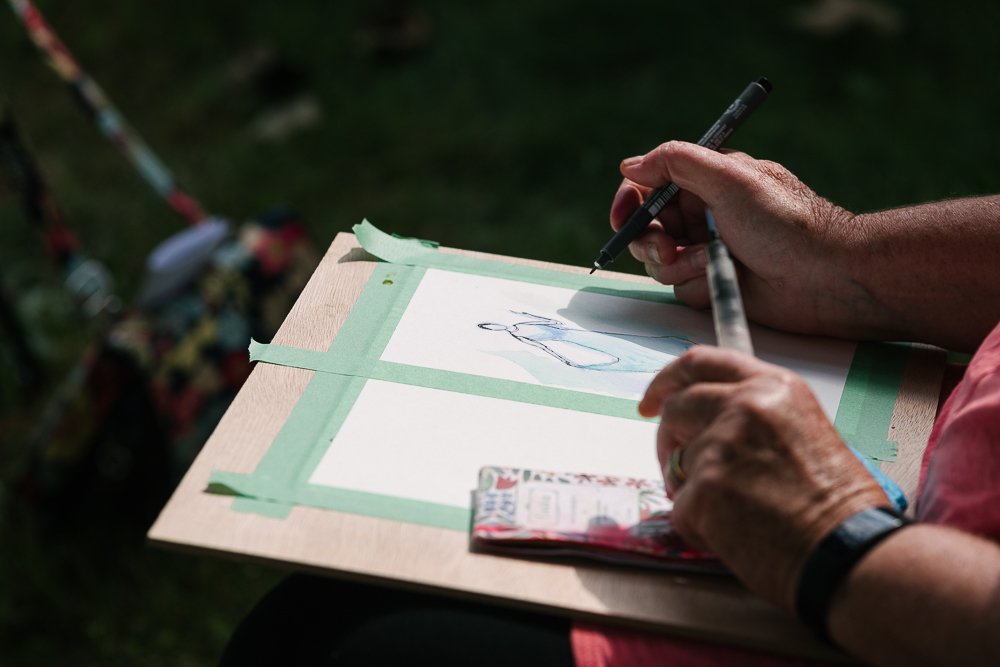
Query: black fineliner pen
[[732, 118]]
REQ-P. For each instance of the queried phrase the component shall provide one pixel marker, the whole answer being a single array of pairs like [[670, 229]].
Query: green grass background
[[502, 133]]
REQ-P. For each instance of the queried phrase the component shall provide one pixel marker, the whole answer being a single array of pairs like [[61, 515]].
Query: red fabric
[[599, 646], [961, 488], [953, 374]]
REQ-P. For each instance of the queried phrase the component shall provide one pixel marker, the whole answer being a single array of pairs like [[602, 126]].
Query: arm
[[933, 269], [926, 273], [768, 477], [927, 595]]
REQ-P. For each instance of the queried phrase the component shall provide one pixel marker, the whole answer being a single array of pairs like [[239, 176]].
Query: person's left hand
[[767, 475]]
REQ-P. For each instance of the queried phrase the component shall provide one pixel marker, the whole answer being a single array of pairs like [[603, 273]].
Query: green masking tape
[[416, 252], [464, 383], [865, 411]]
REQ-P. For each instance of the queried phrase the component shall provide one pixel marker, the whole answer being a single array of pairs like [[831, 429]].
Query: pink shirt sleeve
[[961, 487]]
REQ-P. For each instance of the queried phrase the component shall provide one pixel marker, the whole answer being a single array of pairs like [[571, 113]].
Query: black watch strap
[[835, 556]]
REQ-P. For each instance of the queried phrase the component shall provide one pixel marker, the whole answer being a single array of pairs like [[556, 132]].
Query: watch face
[[858, 531]]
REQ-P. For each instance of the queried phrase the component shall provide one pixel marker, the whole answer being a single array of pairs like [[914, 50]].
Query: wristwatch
[[835, 556]]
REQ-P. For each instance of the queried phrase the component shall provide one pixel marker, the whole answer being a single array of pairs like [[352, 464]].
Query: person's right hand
[[792, 247]]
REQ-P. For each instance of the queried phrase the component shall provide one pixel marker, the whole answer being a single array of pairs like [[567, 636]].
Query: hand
[[792, 247], [767, 474]]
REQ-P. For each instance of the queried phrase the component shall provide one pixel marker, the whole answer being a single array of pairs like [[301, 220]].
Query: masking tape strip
[[864, 414], [464, 383], [263, 496], [416, 252]]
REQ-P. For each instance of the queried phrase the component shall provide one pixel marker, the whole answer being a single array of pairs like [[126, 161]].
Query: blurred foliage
[[490, 126]]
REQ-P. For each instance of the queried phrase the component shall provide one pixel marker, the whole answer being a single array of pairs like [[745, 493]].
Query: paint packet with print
[[572, 515]]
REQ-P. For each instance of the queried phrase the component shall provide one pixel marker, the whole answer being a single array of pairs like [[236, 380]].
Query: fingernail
[[632, 161], [653, 253], [699, 259]]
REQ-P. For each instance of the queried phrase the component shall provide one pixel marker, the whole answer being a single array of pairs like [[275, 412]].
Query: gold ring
[[675, 465]]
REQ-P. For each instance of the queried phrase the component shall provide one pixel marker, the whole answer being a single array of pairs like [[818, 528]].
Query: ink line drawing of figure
[[594, 350]]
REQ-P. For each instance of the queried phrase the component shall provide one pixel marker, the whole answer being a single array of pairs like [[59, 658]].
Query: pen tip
[[592, 271]]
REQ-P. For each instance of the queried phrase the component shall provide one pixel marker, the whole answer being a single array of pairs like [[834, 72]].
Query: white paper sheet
[[428, 444]]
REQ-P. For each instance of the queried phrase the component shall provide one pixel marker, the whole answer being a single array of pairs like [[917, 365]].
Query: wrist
[[865, 263], [852, 302], [835, 556]]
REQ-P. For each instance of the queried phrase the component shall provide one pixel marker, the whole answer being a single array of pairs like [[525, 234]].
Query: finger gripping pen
[[734, 115]]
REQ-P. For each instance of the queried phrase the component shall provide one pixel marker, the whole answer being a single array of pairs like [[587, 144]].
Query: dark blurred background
[[495, 127]]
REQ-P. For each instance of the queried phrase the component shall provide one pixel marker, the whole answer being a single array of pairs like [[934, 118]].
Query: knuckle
[[661, 156], [773, 170], [779, 174], [699, 354], [763, 406], [712, 479], [758, 404], [786, 386], [670, 148]]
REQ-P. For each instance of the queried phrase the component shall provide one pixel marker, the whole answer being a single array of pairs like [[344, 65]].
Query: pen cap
[[751, 98]]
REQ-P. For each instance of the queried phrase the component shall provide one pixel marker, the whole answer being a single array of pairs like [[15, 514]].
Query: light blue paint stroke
[[594, 350]]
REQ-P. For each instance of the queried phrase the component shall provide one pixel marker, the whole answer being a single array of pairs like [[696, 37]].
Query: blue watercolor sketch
[[593, 350]]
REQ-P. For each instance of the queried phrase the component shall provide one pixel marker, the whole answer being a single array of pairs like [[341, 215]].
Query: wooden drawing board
[[385, 552]]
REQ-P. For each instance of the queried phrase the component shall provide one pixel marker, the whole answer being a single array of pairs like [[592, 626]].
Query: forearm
[[931, 272], [928, 595]]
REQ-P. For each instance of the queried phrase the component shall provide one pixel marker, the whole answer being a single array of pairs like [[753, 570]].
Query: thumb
[[706, 173]]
